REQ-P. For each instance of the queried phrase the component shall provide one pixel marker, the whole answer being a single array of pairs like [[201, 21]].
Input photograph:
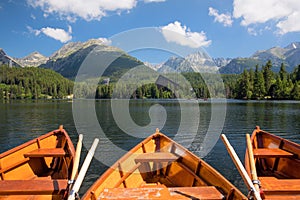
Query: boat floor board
[[270, 153], [272, 185], [46, 152], [32, 187], [161, 192]]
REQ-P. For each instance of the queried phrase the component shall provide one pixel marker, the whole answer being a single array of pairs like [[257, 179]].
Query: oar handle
[[83, 170], [240, 167], [77, 158]]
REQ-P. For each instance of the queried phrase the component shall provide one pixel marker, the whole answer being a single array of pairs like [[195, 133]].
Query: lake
[[21, 121]]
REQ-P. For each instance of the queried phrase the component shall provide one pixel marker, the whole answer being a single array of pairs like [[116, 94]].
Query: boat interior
[[40, 166], [277, 165], [161, 169]]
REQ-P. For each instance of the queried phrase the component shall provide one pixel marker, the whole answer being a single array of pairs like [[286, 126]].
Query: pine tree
[[244, 86], [259, 84], [295, 94], [268, 77]]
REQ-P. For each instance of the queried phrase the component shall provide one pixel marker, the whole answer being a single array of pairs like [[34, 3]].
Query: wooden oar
[[83, 170], [240, 167], [76, 160], [252, 163]]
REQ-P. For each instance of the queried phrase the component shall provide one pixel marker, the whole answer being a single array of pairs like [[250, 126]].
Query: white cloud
[[285, 14], [224, 19], [252, 31], [105, 41], [174, 32], [58, 34], [34, 31], [86, 9], [55, 33]]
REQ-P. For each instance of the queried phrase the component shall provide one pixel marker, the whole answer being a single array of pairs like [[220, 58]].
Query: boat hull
[[277, 164], [159, 168], [38, 169]]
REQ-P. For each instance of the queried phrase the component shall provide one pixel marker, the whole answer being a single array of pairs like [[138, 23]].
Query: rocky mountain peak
[[32, 60], [293, 45]]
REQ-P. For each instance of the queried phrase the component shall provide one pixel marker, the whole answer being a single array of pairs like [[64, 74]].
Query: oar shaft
[[252, 162], [240, 167], [77, 157], [83, 170]]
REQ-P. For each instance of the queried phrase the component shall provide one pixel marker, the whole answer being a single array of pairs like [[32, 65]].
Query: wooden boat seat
[[33, 187], [46, 152], [162, 192], [274, 185], [270, 153], [156, 157]]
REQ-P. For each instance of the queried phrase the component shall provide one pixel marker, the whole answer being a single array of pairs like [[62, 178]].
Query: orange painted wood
[[25, 178], [170, 165], [278, 163], [45, 152], [208, 192], [270, 153], [272, 184], [16, 164], [33, 187], [156, 157], [124, 177], [161, 192]]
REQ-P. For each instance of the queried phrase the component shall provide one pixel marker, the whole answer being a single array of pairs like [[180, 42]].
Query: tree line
[[265, 84], [258, 83], [32, 83]]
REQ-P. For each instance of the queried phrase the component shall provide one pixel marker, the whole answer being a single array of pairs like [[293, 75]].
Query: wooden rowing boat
[[159, 168], [277, 165], [38, 169]]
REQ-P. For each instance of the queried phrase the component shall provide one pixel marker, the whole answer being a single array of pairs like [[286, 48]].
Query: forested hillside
[[265, 84], [261, 83], [32, 83]]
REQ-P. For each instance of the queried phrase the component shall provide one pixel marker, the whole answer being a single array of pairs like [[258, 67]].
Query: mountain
[[221, 62], [289, 55], [69, 58], [7, 60], [34, 59], [196, 62]]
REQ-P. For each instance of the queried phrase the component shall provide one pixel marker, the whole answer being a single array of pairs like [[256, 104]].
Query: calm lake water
[[21, 121]]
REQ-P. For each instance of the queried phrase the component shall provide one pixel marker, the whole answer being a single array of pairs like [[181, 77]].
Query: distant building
[[164, 82]]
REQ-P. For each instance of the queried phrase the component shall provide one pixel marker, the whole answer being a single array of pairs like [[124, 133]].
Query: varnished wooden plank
[[270, 153], [161, 192], [156, 157], [207, 192], [14, 165], [125, 176], [32, 187], [274, 185], [46, 152]]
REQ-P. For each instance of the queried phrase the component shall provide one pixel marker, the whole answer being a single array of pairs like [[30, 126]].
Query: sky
[[226, 28]]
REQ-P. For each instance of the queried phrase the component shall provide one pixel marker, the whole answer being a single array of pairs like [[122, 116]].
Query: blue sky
[[227, 28]]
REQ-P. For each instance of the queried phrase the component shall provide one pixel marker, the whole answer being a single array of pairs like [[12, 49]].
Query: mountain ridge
[[69, 57], [289, 56]]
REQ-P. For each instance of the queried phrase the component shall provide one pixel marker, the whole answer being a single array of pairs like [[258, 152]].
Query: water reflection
[[22, 121]]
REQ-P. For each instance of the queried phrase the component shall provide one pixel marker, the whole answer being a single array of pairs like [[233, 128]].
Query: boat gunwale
[[287, 142], [287, 145], [70, 145], [89, 193]]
